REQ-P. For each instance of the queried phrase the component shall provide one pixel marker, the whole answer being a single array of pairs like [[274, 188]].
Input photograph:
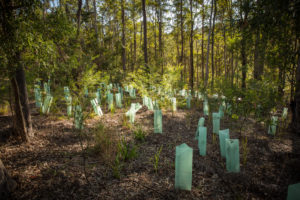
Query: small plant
[[125, 122], [245, 150], [139, 135], [126, 151], [156, 158], [117, 167], [112, 109]]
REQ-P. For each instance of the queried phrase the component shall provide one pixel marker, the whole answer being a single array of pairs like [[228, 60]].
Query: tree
[[145, 35], [191, 48]]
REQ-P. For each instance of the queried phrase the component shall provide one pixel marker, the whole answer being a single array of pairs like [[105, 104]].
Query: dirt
[[53, 165]]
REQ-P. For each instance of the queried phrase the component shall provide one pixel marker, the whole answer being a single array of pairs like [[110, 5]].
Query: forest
[[150, 99]]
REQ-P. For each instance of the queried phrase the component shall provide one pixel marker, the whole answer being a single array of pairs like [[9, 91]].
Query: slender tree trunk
[[197, 64], [95, 20], [296, 103], [160, 45], [202, 45], [182, 36], [7, 184], [79, 17], [145, 35], [123, 37], [244, 62], [134, 37], [208, 44], [192, 49], [20, 78], [212, 45]]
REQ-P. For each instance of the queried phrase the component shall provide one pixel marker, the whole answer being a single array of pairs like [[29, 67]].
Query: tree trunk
[[160, 45], [20, 78], [123, 37], [182, 36], [19, 124], [145, 35], [202, 44], [134, 35], [212, 45], [244, 62], [79, 17], [208, 44], [95, 20], [191, 49], [295, 106]]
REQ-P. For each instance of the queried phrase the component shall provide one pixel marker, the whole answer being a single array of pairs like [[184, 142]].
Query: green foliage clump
[[139, 134]]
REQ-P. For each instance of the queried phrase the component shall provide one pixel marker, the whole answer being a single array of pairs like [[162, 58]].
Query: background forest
[[245, 50]]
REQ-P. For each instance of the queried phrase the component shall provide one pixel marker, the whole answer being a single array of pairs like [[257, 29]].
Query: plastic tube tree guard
[[223, 135], [157, 121], [174, 108], [273, 125], [98, 95], [228, 109], [188, 102], [216, 123], [118, 100], [47, 104], [183, 167], [96, 107], [202, 138], [205, 108], [86, 92], [69, 105], [284, 113], [221, 111], [110, 100], [38, 96], [200, 124], [293, 192], [232, 155]]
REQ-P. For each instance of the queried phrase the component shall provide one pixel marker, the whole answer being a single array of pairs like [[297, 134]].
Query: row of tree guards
[[229, 148]]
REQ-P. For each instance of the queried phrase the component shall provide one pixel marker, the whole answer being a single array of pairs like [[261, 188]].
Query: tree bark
[[212, 45], [79, 16], [123, 37], [20, 78], [145, 35], [95, 20], [296, 103], [202, 44], [182, 36], [208, 45], [134, 36], [191, 49]]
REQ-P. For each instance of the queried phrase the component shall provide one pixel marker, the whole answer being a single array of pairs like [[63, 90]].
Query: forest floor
[[60, 163]]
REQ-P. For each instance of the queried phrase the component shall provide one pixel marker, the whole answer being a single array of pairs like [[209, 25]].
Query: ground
[[53, 166]]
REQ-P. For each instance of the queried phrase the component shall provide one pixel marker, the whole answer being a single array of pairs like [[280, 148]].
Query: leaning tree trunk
[[20, 78], [7, 184], [19, 124], [296, 104]]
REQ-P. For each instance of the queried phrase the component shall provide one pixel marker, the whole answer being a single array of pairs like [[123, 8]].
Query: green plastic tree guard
[[150, 103], [98, 95], [38, 96], [183, 167], [284, 113], [157, 121], [200, 124], [47, 104], [201, 121], [293, 192], [216, 123], [118, 100], [174, 108], [69, 105], [78, 118], [202, 138], [221, 111], [188, 102], [110, 100], [205, 108], [223, 135], [66, 91], [232, 155], [86, 92], [96, 107], [273, 125]]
